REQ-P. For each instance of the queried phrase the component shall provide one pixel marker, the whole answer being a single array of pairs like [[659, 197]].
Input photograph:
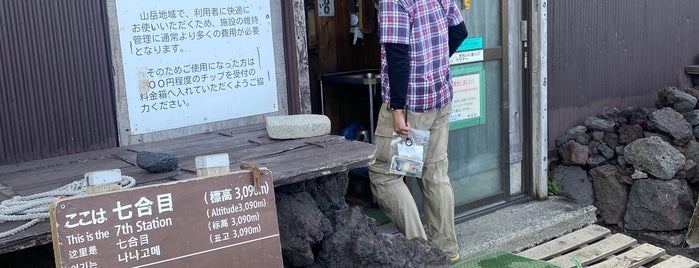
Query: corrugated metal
[[607, 54], [56, 95]]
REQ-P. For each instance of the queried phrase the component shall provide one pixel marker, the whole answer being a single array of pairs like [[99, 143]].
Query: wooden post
[[103, 181], [211, 165], [692, 236]]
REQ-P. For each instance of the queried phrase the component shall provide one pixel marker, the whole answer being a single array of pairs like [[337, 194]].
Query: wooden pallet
[[595, 246]]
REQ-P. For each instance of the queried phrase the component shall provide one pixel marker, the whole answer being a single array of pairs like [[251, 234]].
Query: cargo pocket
[[383, 134]]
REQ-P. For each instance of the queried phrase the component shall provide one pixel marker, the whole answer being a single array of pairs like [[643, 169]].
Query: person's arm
[[397, 58], [398, 68], [457, 35], [394, 24]]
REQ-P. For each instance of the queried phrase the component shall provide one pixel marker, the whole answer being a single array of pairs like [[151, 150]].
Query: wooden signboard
[[217, 221]]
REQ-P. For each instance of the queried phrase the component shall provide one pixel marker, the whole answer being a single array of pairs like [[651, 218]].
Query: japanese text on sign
[[193, 62], [467, 99], [195, 223]]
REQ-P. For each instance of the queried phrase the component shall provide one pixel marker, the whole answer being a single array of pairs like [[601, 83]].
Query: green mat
[[502, 259], [377, 214]]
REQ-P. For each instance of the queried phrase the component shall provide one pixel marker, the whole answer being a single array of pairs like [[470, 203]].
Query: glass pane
[[484, 20], [475, 156]]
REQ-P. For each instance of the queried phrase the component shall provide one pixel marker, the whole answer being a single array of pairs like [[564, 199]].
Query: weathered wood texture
[[289, 160], [565, 243], [595, 252], [633, 258], [677, 262], [595, 246]]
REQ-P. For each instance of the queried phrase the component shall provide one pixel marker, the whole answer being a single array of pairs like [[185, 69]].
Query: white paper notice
[[467, 97], [193, 62]]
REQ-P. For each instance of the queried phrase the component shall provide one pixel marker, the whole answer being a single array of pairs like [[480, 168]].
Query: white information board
[[194, 62]]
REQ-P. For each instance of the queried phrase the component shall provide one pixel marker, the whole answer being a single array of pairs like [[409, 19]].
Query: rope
[[35, 208]]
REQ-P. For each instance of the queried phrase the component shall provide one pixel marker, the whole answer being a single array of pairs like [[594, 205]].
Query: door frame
[[501, 53], [535, 83]]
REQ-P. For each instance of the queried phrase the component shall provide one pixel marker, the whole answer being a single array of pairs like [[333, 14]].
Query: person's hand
[[400, 125]]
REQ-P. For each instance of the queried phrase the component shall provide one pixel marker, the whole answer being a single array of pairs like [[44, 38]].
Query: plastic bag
[[408, 155]]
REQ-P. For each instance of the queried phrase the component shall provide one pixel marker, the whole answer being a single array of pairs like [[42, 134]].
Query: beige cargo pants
[[392, 193]]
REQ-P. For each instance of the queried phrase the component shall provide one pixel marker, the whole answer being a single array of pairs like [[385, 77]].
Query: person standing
[[417, 38]]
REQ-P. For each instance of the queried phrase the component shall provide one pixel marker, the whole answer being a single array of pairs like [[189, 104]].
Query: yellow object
[[455, 258], [361, 15], [467, 4]]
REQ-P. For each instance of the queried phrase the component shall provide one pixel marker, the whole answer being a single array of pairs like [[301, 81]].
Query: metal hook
[[408, 141]]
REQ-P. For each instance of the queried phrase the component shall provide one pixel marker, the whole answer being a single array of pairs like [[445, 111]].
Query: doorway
[[485, 143], [485, 137]]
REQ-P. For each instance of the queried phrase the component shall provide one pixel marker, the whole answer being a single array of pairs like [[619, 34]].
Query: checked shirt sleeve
[[454, 16], [394, 21]]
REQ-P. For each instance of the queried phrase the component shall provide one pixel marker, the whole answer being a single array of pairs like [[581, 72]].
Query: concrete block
[[297, 126], [521, 226], [103, 177], [103, 181], [211, 165]]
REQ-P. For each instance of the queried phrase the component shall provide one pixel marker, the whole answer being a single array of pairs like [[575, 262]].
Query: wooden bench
[[290, 161]]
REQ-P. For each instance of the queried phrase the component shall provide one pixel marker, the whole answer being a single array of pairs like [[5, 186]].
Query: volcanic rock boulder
[[610, 194], [657, 205], [302, 227], [654, 156], [355, 244], [574, 183]]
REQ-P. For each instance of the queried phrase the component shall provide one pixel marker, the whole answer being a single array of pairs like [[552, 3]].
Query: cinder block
[[297, 126]]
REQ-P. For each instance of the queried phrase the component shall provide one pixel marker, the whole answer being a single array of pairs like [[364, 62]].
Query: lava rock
[[654, 156], [656, 205], [611, 195], [156, 162]]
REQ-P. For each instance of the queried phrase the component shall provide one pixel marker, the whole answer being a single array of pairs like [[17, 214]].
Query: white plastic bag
[[408, 155]]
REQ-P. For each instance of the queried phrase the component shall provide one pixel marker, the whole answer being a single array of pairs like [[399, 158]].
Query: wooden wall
[[331, 50]]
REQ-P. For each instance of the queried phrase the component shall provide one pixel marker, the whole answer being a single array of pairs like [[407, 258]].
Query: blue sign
[[471, 44]]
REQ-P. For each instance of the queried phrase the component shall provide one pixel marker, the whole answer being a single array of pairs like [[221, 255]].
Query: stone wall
[[638, 166]]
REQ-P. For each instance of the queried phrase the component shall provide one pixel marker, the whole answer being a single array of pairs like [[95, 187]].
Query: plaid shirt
[[423, 26]]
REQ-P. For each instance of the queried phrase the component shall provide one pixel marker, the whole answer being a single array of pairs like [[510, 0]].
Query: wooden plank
[[204, 141], [39, 180], [633, 258], [178, 147], [678, 261], [566, 243], [144, 177], [186, 154], [252, 153], [6, 192], [58, 161], [289, 160], [297, 162], [596, 251], [34, 236], [321, 142]]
